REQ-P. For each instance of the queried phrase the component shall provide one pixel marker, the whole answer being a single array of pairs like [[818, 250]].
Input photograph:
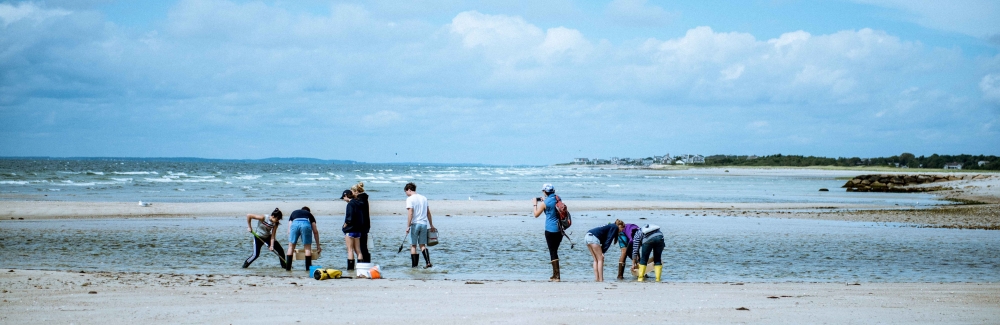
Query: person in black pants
[[267, 229], [366, 222], [553, 235]]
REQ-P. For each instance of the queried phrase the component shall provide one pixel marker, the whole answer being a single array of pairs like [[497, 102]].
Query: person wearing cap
[[650, 239], [553, 235], [353, 218], [303, 226], [418, 220]]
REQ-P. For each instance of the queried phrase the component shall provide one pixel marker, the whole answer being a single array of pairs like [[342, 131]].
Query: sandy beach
[[70, 296], [129, 298]]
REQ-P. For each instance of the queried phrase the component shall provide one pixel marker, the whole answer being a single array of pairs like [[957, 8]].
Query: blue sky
[[500, 82]]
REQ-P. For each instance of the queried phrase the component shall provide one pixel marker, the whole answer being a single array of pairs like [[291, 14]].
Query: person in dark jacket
[[598, 241], [366, 221], [352, 224]]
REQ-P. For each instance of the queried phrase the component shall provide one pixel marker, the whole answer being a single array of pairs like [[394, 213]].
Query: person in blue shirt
[[553, 235], [598, 241]]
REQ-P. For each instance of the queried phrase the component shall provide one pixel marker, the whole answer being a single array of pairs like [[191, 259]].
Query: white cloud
[[26, 10], [990, 86]]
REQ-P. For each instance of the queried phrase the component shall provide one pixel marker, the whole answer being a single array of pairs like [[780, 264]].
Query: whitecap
[[247, 177], [122, 179], [133, 173], [14, 182]]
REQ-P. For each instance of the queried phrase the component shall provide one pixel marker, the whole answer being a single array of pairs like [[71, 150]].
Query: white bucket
[[362, 269]]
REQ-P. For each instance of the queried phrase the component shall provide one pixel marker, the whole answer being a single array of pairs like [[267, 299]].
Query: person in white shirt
[[418, 220]]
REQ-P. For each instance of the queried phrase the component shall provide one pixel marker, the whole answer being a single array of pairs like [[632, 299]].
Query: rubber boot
[[555, 271], [246, 265], [350, 264], [309, 262], [642, 272], [288, 262], [658, 269], [427, 258], [621, 271], [414, 258]]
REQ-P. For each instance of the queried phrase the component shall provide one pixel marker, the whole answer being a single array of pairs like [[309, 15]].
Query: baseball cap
[[547, 188], [346, 193]]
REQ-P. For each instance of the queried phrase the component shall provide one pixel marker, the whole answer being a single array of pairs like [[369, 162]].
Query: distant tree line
[[904, 160]]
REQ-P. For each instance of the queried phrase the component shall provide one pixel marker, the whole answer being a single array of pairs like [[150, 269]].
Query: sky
[[498, 82]]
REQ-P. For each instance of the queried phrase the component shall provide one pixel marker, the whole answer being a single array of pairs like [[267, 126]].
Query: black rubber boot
[[309, 262], [427, 258], [621, 271], [414, 258], [245, 265], [288, 262], [350, 264], [555, 271]]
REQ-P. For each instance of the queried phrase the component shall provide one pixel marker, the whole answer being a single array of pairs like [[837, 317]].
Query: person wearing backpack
[[598, 242], [649, 239], [553, 233]]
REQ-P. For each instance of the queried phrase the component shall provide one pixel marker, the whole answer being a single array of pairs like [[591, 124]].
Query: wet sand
[[129, 298]]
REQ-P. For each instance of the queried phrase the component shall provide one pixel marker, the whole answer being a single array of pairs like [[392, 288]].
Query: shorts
[[418, 234], [590, 239], [302, 229], [354, 234]]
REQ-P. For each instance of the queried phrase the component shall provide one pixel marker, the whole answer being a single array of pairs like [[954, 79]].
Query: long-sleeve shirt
[[637, 241]]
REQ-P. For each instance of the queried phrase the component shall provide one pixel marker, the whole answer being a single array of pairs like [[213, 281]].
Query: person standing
[[625, 233], [598, 241], [351, 227], [553, 235], [303, 226], [267, 230], [418, 220], [649, 239], [366, 221]]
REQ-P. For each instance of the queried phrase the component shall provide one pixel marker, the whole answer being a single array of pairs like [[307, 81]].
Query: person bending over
[[265, 234], [303, 226], [598, 242]]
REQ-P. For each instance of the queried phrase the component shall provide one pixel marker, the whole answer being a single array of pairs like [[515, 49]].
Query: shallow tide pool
[[699, 248]]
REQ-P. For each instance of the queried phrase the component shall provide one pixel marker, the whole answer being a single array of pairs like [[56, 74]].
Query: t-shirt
[[299, 214], [551, 216], [418, 203]]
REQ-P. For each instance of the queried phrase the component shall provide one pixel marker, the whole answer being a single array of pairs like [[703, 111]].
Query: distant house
[[647, 161], [751, 157], [615, 161], [680, 162], [953, 165], [983, 162], [581, 161]]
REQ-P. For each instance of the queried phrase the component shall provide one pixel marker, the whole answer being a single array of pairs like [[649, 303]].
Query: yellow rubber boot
[[658, 269], [642, 272]]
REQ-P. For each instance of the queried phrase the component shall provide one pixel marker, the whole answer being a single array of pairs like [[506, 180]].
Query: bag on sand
[[565, 219], [432, 237]]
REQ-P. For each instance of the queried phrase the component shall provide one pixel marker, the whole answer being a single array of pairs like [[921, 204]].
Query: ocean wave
[[247, 177], [94, 173], [365, 178], [166, 179], [122, 179], [177, 174], [135, 173], [381, 182], [317, 179], [14, 182]]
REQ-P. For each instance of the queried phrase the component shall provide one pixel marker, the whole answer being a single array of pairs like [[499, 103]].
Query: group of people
[[357, 223], [638, 243]]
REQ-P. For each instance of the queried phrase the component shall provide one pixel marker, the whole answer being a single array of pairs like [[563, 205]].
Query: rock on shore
[[904, 183]]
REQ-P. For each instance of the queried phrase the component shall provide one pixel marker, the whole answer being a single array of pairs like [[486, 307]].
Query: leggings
[[257, 244], [553, 239], [652, 245]]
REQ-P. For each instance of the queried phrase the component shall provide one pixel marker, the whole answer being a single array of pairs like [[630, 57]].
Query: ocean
[[158, 181]]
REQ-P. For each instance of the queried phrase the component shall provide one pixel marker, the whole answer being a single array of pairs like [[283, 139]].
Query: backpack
[[565, 219]]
